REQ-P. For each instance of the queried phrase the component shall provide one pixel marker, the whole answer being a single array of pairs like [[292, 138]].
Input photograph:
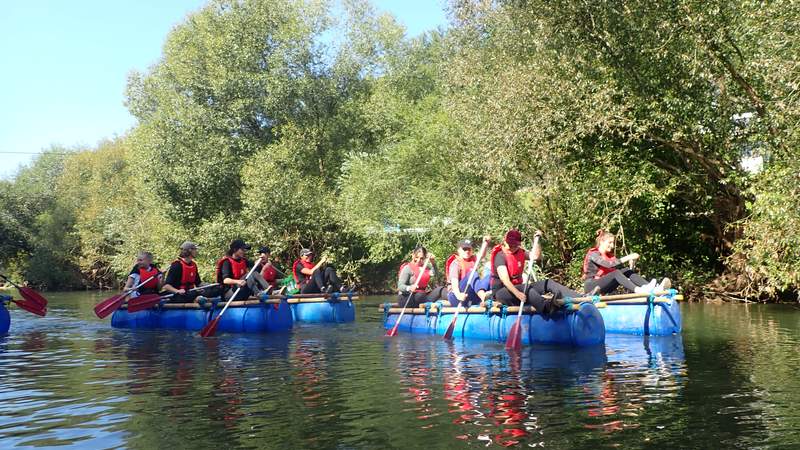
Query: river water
[[732, 380]]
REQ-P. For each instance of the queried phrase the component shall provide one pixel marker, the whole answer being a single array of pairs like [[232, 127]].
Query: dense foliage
[[302, 123]]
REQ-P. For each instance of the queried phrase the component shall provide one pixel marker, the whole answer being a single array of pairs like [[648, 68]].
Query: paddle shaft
[[129, 291], [199, 288], [449, 333], [514, 340], [528, 281], [410, 293], [228, 303]]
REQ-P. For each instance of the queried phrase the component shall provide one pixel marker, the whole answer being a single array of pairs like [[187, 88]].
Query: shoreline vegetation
[[673, 125]]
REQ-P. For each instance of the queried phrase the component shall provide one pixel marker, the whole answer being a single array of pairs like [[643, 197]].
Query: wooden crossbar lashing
[[471, 310], [253, 301]]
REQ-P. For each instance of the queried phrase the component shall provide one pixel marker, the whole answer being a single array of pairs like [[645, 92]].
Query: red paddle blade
[[449, 333], [211, 328], [109, 305], [514, 341], [392, 331], [143, 302], [33, 296], [31, 307]]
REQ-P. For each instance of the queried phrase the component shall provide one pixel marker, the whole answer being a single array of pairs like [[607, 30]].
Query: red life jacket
[[423, 281], [515, 263], [188, 274], [239, 268], [464, 265], [600, 269], [145, 274], [306, 265], [270, 274]]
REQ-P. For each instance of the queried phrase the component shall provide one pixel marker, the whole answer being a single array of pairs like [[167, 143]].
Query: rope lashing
[[504, 311], [489, 304], [386, 307]]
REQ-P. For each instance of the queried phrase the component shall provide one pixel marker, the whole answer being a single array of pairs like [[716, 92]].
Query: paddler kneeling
[[183, 276], [143, 270], [508, 264], [232, 269], [413, 280]]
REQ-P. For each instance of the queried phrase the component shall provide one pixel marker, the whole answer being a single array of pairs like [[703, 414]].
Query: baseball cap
[[513, 237], [305, 252], [465, 243], [188, 245], [264, 249], [236, 244]]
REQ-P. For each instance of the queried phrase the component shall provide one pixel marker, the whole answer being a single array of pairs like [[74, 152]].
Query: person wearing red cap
[[508, 264]]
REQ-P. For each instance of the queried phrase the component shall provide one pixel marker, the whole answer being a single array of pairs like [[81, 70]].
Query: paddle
[[147, 301], [30, 295], [211, 327], [514, 341], [113, 303], [449, 333], [31, 307], [393, 331]]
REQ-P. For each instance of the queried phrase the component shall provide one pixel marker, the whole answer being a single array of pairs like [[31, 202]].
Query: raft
[[5, 317], [657, 315], [333, 308], [580, 325], [247, 316]]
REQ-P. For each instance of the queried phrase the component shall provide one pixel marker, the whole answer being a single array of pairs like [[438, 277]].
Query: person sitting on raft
[[183, 276], [420, 292], [268, 271], [232, 269], [602, 270], [313, 278], [142, 270], [508, 264], [459, 266]]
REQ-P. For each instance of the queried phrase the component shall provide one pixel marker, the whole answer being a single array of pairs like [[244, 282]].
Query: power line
[[36, 153]]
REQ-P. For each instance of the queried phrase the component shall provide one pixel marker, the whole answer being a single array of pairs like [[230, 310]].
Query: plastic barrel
[[5, 319], [663, 319], [324, 312]]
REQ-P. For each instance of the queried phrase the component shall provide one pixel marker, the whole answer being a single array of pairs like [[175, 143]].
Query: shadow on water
[[70, 380]]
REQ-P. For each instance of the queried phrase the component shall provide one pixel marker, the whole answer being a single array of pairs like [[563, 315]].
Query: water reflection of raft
[[330, 308], [581, 326], [659, 315], [248, 316]]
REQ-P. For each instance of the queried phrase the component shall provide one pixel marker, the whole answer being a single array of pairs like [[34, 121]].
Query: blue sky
[[65, 64]]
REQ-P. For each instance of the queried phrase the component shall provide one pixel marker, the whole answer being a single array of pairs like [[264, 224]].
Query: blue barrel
[[257, 318], [5, 318], [645, 318], [261, 318], [325, 311], [580, 328]]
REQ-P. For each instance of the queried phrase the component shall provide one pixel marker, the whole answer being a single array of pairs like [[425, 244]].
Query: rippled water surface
[[732, 380]]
